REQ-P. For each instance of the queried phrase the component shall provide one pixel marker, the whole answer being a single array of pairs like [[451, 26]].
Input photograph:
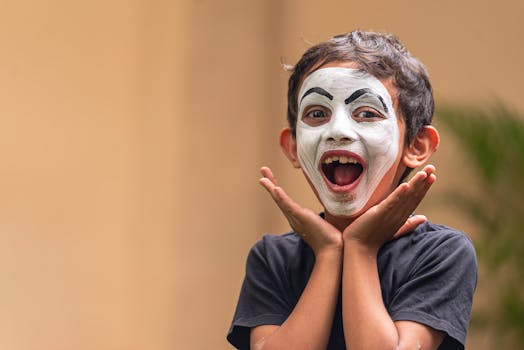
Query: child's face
[[349, 139]]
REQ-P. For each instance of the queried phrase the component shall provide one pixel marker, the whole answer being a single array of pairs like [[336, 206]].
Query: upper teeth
[[340, 159]]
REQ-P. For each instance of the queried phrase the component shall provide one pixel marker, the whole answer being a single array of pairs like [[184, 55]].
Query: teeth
[[341, 160]]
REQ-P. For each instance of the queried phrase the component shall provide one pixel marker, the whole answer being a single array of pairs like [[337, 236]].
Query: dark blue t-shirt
[[427, 276]]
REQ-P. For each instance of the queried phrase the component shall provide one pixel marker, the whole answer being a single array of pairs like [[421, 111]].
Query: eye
[[316, 115], [367, 114]]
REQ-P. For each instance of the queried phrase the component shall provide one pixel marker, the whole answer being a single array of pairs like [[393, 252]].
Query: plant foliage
[[493, 140]]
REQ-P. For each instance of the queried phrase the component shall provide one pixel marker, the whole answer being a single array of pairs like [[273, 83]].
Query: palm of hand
[[391, 217], [380, 223], [317, 232]]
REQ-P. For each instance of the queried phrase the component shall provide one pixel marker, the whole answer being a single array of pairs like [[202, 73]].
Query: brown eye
[[316, 114], [368, 114]]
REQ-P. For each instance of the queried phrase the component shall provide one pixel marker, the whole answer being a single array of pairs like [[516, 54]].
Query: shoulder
[[444, 246], [430, 239], [445, 243], [271, 243], [437, 233], [284, 261], [280, 247], [285, 251], [429, 277], [433, 253]]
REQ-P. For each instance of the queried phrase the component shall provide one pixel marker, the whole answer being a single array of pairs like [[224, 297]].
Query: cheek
[[381, 139], [308, 140]]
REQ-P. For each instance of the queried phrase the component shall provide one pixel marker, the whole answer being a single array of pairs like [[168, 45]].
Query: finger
[[407, 196], [429, 169], [394, 197], [420, 190], [432, 177], [267, 173], [267, 184], [287, 205], [411, 199], [419, 185], [279, 195], [417, 180], [411, 224], [415, 196]]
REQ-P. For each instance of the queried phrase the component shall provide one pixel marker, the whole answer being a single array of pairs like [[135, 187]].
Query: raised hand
[[320, 235], [391, 217]]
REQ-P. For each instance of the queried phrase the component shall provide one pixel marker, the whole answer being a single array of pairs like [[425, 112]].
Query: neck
[[340, 222]]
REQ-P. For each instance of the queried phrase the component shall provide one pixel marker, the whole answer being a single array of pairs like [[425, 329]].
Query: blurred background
[[132, 131]]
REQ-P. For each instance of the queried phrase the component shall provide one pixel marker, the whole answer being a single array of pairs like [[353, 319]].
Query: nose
[[341, 128]]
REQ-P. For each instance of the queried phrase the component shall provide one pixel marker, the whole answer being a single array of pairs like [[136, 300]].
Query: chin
[[342, 209]]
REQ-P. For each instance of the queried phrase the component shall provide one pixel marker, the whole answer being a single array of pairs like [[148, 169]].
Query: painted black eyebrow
[[361, 92], [319, 91]]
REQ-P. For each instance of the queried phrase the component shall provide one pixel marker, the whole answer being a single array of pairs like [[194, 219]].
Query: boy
[[365, 274]]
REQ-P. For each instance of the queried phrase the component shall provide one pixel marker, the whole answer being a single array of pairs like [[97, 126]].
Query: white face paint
[[347, 136]]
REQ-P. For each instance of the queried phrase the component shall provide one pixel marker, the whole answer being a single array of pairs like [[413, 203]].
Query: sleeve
[[261, 301], [439, 290]]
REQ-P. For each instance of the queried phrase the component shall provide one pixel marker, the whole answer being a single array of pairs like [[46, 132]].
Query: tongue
[[346, 174]]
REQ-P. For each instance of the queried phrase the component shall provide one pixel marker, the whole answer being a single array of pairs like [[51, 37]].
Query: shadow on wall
[[493, 141]]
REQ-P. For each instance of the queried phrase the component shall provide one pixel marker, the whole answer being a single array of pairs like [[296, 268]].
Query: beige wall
[[131, 133]]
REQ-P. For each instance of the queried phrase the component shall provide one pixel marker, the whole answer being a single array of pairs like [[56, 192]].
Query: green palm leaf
[[493, 141]]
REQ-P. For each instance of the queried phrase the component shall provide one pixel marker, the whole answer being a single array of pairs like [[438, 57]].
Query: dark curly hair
[[381, 55]]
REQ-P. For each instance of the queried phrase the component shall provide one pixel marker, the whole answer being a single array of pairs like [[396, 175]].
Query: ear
[[288, 143], [421, 147]]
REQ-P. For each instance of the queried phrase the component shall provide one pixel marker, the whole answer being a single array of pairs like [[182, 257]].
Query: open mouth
[[341, 170]]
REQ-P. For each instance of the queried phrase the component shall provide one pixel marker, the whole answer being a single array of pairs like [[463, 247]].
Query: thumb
[[411, 223]]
